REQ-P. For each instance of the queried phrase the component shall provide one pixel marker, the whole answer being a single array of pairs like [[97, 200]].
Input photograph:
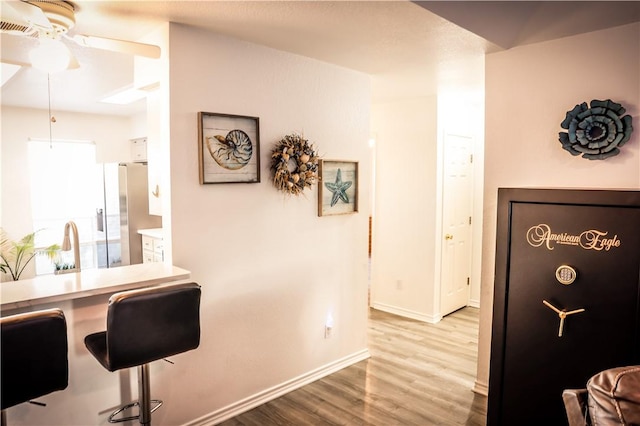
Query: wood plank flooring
[[418, 374]]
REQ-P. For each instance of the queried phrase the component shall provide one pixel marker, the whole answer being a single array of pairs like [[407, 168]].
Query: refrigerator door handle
[[100, 219]]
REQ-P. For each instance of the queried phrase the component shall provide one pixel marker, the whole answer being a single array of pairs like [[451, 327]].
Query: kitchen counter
[[54, 288], [152, 232]]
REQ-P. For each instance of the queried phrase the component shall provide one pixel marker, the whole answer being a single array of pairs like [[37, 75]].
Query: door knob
[[448, 237]]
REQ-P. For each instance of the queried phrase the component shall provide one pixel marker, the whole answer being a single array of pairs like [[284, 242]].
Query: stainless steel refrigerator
[[123, 211]]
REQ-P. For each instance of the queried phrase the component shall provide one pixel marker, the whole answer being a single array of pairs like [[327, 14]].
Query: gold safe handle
[[562, 314]]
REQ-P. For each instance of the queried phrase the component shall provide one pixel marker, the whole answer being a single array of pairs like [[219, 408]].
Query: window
[[64, 183]]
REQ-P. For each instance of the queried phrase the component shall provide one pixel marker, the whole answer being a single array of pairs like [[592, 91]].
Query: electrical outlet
[[327, 332], [328, 326]]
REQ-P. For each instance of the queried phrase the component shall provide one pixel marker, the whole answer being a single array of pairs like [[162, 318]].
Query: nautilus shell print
[[232, 151]]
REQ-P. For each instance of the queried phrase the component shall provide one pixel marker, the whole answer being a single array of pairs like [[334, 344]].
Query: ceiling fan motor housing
[[61, 15]]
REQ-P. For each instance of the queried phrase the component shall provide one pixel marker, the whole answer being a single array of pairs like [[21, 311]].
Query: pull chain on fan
[[52, 119]]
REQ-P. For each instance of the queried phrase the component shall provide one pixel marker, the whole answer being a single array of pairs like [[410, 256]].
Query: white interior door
[[456, 223]]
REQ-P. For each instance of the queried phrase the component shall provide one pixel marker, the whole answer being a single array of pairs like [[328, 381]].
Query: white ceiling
[[408, 48]]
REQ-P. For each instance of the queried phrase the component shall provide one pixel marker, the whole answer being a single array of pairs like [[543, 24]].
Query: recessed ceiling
[[517, 23], [408, 48]]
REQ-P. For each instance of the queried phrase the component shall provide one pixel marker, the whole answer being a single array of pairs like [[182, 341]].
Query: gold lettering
[[591, 239], [612, 242], [538, 235]]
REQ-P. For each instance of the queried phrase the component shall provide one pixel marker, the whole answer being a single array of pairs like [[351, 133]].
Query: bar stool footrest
[[111, 419]]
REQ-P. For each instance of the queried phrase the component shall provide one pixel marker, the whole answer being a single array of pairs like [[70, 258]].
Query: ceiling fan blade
[[24, 13], [133, 48], [14, 61], [73, 63], [15, 49]]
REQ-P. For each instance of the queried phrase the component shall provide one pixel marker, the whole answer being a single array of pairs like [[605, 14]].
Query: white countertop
[[152, 232], [53, 288]]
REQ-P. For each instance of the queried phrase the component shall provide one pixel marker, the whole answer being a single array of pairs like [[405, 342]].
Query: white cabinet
[[139, 150], [158, 250], [152, 245]]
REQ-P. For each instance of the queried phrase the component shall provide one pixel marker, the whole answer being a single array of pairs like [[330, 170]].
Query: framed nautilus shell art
[[228, 148]]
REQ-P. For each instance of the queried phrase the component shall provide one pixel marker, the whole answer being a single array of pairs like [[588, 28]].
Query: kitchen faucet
[[66, 244]]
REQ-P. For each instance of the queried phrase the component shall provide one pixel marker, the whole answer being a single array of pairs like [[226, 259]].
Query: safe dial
[[565, 274]]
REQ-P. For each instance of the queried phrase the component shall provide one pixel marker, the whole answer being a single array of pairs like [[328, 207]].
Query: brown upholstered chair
[[612, 397], [143, 326]]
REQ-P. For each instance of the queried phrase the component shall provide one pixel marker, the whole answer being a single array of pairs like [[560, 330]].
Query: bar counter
[[46, 289]]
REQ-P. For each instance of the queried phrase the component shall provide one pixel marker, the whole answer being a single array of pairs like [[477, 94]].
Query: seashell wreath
[[596, 131], [294, 163]]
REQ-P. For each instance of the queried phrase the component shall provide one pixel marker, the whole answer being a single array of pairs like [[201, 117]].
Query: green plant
[[64, 266], [16, 255]]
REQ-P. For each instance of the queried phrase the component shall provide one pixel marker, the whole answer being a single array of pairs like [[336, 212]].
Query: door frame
[[476, 131], [443, 243]]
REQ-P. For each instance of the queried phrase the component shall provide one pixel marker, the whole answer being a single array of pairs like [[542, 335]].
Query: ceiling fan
[[49, 22]]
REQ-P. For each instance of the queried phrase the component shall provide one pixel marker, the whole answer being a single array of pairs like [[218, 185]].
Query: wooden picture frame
[[228, 148], [338, 187]]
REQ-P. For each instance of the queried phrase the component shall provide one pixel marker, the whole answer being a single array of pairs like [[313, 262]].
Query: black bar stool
[[34, 358], [143, 326]]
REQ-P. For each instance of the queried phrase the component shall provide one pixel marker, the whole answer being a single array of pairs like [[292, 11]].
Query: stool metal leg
[[144, 400], [144, 396]]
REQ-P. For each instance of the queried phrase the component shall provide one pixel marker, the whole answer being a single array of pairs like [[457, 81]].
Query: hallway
[[418, 374]]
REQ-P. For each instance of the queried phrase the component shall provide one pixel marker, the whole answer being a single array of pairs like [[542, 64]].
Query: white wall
[[404, 224], [270, 269], [528, 91]]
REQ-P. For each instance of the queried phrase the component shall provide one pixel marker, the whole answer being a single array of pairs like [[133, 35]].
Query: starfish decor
[[338, 188]]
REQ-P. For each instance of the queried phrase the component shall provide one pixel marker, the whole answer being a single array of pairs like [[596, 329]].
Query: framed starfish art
[[338, 188]]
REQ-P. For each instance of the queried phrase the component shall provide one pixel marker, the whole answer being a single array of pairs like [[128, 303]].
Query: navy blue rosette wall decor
[[597, 131]]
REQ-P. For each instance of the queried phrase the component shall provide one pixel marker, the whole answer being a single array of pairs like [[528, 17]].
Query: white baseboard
[[481, 388], [431, 319], [474, 303], [267, 395]]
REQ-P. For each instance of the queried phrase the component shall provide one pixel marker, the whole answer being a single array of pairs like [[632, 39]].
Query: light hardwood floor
[[418, 374]]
